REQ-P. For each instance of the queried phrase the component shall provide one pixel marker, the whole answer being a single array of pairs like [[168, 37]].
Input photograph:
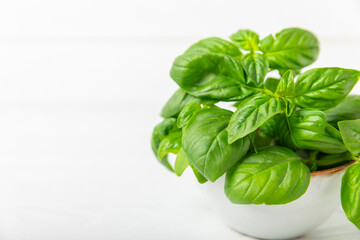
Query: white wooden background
[[82, 83]]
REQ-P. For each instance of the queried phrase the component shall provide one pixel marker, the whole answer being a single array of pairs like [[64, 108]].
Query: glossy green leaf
[[292, 48], [274, 175], [178, 101], [155, 141], [210, 75], [328, 161], [170, 144], [166, 126], [259, 140], [246, 39], [286, 86], [271, 84], [181, 162], [215, 45], [324, 88], [295, 72], [350, 194], [308, 129], [187, 112], [256, 66], [350, 132], [251, 114], [349, 109], [159, 133], [268, 127], [201, 179], [198, 58], [289, 107], [236, 104], [285, 89], [205, 142]]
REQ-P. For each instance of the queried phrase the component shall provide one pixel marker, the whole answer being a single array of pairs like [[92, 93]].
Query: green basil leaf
[[210, 45], [350, 132], [159, 133], [187, 112], [181, 162], [253, 146], [215, 45], [286, 89], [256, 67], [286, 86], [178, 101], [274, 175], [201, 179], [268, 128], [350, 197], [165, 162], [260, 140], [295, 72], [246, 39], [292, 48], [251, 114], [288, 106], [308, 129], [205, 142], [170, 144], [236, 104], [271, 84], [349, 109], [324, 88], [155, 141], [212, 76], [334, 160], [166, 126]]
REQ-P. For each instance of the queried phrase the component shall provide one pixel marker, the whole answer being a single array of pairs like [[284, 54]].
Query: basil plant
[[282, 129]]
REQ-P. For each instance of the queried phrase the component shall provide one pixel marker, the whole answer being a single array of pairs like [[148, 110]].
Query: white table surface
[[76, 116]]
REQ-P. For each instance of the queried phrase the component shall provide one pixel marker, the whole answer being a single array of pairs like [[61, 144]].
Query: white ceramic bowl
[[281, 221]]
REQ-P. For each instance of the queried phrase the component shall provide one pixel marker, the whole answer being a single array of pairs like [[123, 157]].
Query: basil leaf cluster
[[281, 129]]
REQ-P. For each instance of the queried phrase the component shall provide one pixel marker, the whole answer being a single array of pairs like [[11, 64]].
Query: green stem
[[253, 143]]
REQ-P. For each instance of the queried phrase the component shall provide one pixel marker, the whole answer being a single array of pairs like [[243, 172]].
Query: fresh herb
[[282, 129]]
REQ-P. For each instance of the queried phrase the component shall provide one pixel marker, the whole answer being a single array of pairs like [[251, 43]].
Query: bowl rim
[[332, 170]]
